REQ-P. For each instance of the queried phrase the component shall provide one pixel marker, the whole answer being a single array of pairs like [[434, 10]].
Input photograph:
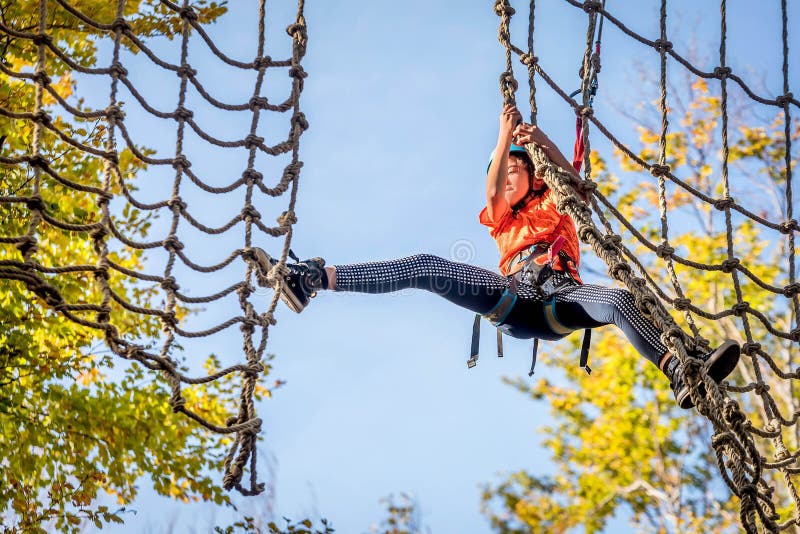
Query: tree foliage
[[619, 443], [76, 427]]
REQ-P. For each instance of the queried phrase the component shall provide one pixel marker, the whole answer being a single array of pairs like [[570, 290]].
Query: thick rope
[[740, 463]]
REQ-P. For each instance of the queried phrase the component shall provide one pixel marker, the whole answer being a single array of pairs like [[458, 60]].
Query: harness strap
[[587, 340], [499, 344], [533, 355], [476, 342]]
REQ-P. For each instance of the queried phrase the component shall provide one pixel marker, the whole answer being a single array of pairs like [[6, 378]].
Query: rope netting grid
[[245, 426], [734, 441]]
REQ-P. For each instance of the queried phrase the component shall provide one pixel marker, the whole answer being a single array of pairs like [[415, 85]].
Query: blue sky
[[403, 100]]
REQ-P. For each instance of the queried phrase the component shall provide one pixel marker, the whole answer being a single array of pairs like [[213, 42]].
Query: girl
[[540, 294]]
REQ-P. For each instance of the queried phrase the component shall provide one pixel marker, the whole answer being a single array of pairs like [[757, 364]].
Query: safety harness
[[542, 278]]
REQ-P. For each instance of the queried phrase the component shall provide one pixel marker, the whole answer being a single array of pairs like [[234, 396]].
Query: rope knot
[[170, 284], [662, 45], [98, 234], [181, 162], [795, 336], [120, 25], [117, 69], [254, 369], [248, 326], [508, 82], [297, 31], [42, 117], [787, 227], [258, 102], [784, 100], [658, 170], [681, 304], [42, 39], [172, 244], [751, 348], [250, 213], [585, 111], [664, 250], [262, 62], [269, 318], [176, 204], [182, 113], [177, 402], [723, 203], [722, 72], [502, 7], [297, 71], [27, 245], [729, 265], [791, 290], [588, 185], [611, 242], [287, 218], [41, 77], [740, 308], [252, 176], [253, 141], [299, 120], [761, 388], [114, 113], [592, 6], [618, 270], [38, 160], [529, 59], [188, 14], [35, 203], [186, 71]]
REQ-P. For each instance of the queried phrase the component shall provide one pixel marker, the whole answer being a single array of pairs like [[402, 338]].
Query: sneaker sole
[[287, 295], [721, 363]]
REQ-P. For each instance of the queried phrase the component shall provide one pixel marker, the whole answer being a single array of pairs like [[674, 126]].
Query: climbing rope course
[[34, 180], [756, 449]]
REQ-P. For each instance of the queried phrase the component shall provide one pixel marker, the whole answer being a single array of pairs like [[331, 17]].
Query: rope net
[[756, 444], [34, 180]]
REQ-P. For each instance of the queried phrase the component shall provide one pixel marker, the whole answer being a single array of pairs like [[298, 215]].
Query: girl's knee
[[425, 263]]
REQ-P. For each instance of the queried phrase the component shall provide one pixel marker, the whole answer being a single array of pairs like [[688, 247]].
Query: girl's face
[[519, 180]]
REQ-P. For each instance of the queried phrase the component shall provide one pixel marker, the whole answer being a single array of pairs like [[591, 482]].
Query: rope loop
[[299, 121], [722, 72], [297, 31], [120, 25], [253, 141], [729, 265], [186, 71], [664, 250], [508, 84], [252, 176], [258, 102], [658, 170], [269, 318], [592, 6], [502, 7], [172, 244], [787, 227], [182, 114], [740, 308], [41, 77], [188, 14], [662, 45], [117, 70], [287, 218], [42, 39], [35, 203], [784, 100], [529, 59], [181, 162], [791, 290], [723, 203], [170, 284], [751, 348], [681, 304]]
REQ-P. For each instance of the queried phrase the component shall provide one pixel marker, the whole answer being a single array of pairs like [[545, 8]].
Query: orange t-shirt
[[537, 222]]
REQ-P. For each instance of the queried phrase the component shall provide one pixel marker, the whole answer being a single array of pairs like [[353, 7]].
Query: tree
[[72, 426], [619, 442]]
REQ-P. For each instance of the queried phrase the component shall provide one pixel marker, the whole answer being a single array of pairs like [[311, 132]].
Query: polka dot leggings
[[479, 290]]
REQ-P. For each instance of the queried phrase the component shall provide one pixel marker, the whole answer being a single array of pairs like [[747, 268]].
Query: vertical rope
[[664, 250], [508, 85], [531, 62]]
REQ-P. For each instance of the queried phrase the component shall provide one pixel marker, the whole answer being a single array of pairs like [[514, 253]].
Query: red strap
[[555, 248], [578, 152]]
